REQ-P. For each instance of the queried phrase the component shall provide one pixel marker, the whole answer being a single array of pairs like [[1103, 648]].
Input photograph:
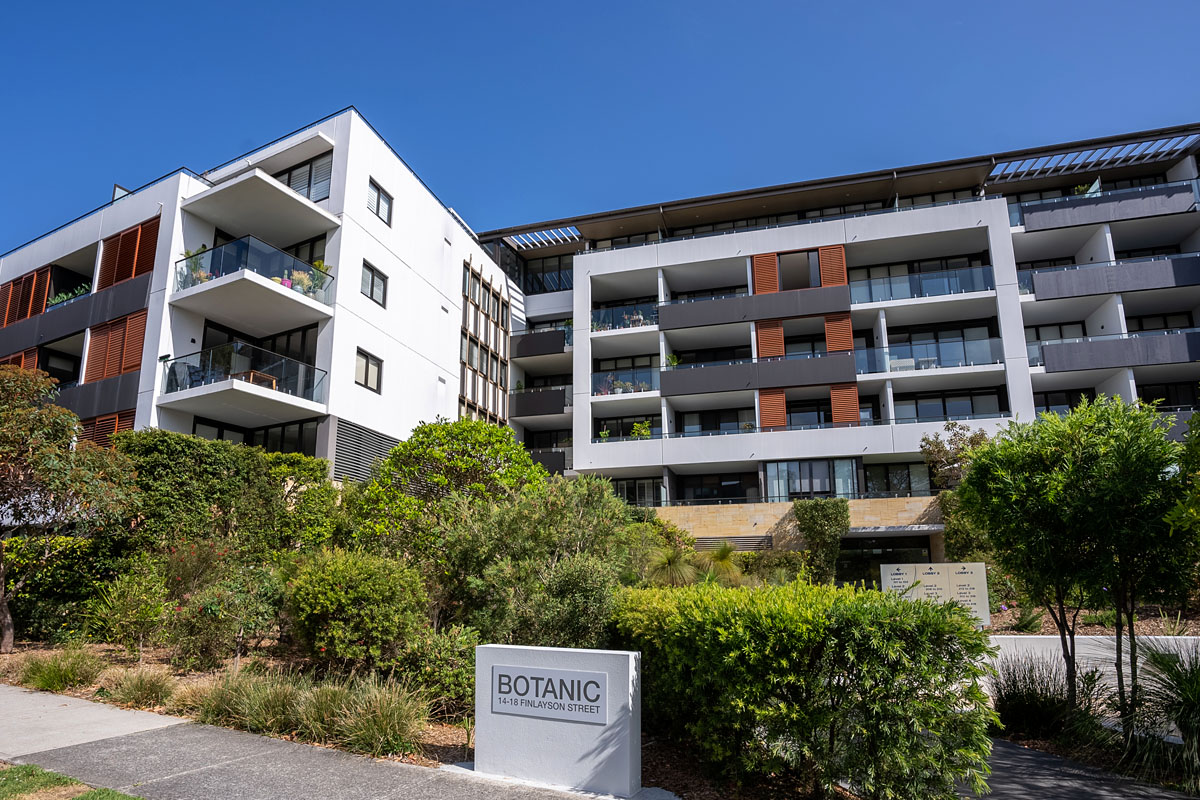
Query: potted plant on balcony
[[604, 434], [195, 266], [747, 427], [302, 282], [520, 387], [672, 360], [640, 430]]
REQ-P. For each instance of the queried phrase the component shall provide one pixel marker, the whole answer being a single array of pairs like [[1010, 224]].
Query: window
[[1159, 322], [310, 251], [1060, 402], [309, 179], [939, 407], [128, 254], [379, 202], [374, 284], [897, 480], [792, 480], [367, 370]]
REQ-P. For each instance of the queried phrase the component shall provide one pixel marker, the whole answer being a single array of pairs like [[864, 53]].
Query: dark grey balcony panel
[[1134, 276], [1109, 208], [1181, 424], [106, 305], [538, 343], [836, 368], [108, 396], [776, 305], [833, 368], [554, 462], [536, 404], [1135, 351], [700, 380]]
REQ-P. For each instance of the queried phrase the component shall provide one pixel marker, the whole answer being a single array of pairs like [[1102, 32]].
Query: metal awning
[[547, 238], [1093, 159]]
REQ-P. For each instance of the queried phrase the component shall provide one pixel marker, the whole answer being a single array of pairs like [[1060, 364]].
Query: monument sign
[[964, 583]]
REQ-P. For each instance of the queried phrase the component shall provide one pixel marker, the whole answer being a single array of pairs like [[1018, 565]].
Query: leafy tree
[[440, 458], [51, 493], [823, 523], [1124, 482], [947, 461], [130, 609]]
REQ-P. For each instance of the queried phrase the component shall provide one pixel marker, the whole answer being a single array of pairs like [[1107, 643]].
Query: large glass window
[[938, 407], [718, 489], [729, 420], [1170, 395], [824, 477], [646, 492], [622, 427], [310, 251], [310, 179], [1060, 402], [550, 274], [896, 480]]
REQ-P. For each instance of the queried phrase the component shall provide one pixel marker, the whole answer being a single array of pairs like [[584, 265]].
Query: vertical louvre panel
[[843, 398], [41, 290], [772, 408], [135, 338], [125, 420], [99, 430], [770, 337], [838, 333], [97, 354], [765, 268], [108, 263], [127, 248], [147, 245], [116, 349], [23, 291], [106, 426], [5, 293], [29, 359], [87, 430], [833, 265]]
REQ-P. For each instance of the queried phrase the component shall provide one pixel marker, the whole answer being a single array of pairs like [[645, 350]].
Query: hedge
[[828, 684]]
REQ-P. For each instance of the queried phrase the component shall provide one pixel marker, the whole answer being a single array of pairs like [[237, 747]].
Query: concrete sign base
[[559, 716]]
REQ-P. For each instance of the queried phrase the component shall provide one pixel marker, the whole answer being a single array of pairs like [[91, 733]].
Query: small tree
[[823, 523], [947, 462], [438, 459], [51, 493]]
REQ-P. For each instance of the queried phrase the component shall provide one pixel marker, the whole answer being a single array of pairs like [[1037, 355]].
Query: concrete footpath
[[169, 758]]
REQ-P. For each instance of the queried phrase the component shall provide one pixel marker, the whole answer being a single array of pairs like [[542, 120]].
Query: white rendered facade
[[246, 293]]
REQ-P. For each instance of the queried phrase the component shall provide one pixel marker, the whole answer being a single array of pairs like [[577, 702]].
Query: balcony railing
[[951, 417], [1025, 276], [749, 360], [1016, 211], [806, 221], [749, 427], [1104, 337], [625, 381], [922, 284], [568, 332], [929, 355], [700, 298], [78, 293], [244, 362], [537, 389], [635, 315], [259, 257], [631, 438]]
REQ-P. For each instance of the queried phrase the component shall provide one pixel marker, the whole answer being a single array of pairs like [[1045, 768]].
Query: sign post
[[964, 583], [560, 716]]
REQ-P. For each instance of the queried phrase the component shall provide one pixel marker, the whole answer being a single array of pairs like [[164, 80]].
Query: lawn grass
[[25, 780]]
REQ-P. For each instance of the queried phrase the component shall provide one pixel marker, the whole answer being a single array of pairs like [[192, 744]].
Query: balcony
[[254, 202], [556, 460], [1111, 277], [1099, 207], [635, 315], [251, 286], [625, 381], [243, 385], [747, 308], [923, 284], [801, 369], [929, 355], [539, 401], [542, 341], [1118, 350]]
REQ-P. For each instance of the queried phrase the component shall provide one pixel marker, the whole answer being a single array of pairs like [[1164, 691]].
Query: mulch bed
[[1150, 622]]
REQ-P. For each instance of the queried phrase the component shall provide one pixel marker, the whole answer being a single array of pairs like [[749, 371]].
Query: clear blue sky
[[519, 112]]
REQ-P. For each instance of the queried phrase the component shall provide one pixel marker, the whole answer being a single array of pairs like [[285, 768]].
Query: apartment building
[[721, 356], [310, 296], [716, 357]]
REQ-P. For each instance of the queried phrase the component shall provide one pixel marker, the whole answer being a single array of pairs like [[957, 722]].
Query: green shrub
[[271, 704], [776, 566], [574, 608], [822, 523], [383, 718], [828, 684], [51, 606], [1029, 694], [129, 611], [1029, 619], [1171, 692], [65, 669], [357, 609], [144, 687], [442, 665], [1106, 617], [321, 709], [223, 619]]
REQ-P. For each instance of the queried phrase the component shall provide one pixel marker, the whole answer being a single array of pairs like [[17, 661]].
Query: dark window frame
[[373, 186], [377, 278], [284, 176], [365, 383]]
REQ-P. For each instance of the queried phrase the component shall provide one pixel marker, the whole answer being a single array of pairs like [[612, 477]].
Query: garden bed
[[1149, 622]]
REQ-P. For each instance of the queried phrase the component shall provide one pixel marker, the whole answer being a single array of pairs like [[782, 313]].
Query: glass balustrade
[[625, 381], [635, 315], [922, 284], [910, 356], [260, 258], [244, 362]]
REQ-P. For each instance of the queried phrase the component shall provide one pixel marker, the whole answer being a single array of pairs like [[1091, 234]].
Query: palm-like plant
[[672, 566], [1171, 692], [722, 563]]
